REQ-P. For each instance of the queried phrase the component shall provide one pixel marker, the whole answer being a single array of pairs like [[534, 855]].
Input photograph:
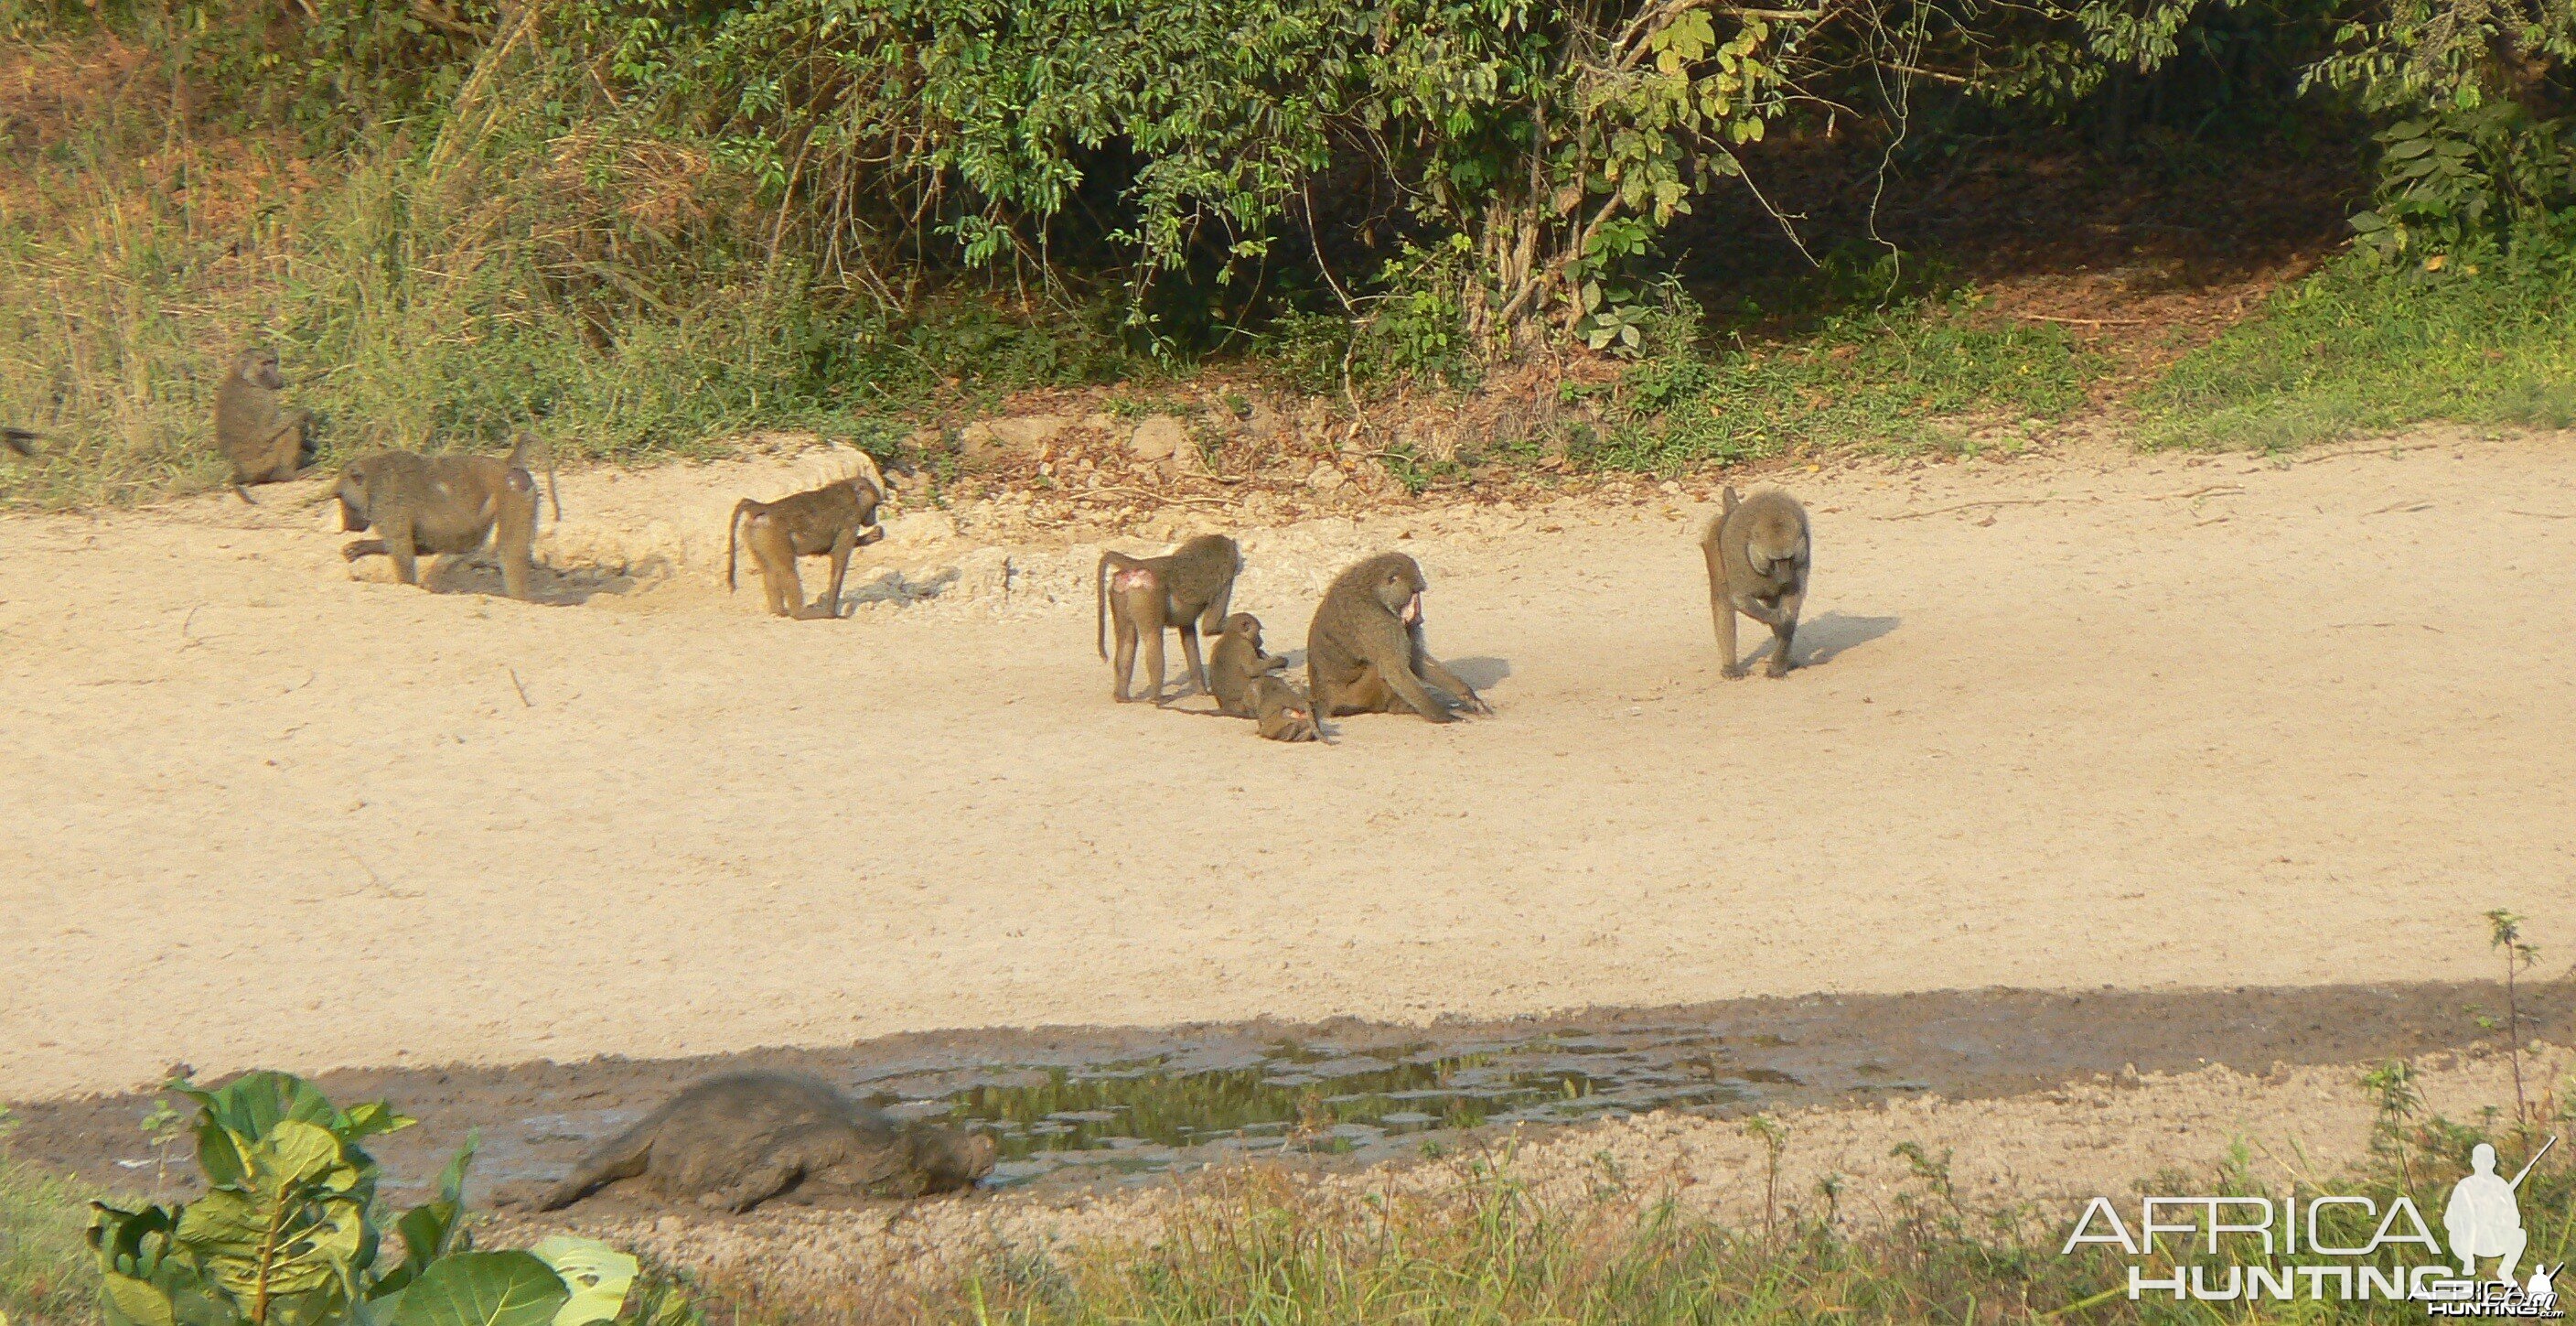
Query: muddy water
[[1090, 1105]]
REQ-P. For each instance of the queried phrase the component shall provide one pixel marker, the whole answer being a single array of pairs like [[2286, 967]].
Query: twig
[[1123, 491], [2084, 322], [2543, 515], [2213, 490], [524, 701], [2400, 506], [2346, 626], [2369, 451], [1971, 506]]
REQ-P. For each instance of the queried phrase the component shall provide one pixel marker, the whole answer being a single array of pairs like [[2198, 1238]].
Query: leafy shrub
[[291, 1231]]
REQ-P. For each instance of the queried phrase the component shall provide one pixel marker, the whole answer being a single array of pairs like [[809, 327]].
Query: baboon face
[[870, 530], [1400, 589], [1246, 625], [258, 367], [352, 495]]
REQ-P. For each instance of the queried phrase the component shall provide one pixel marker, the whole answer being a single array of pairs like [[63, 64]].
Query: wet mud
[[1073, 1107]]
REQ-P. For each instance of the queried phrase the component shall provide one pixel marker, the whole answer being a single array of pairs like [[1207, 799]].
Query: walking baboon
[[834, 519], [18, 440], [1757, 553], [1237, 661], [443, 504], [1282, 710], [734, 1142], [266, 444], [1364, 652], [1186, 590]]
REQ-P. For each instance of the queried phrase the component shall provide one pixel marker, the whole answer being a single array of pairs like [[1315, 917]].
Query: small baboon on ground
[[445, 505], [1757, 552], [733, 1142], [265, 443], [1237, 661], [1186, 590], [1282, 710], [1365, 653], [835, 520]]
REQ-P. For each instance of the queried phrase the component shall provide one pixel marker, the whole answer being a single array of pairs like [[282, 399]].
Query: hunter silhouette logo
[[2481, 1217], [2247, 1249]]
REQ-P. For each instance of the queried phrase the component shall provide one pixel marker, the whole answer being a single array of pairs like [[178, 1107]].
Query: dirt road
[[2132, 722]]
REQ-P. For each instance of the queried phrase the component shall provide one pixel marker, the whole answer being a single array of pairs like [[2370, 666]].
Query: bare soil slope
[[2071, 722]]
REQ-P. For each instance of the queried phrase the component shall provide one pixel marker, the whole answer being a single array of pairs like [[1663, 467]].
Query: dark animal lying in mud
[[735, 1142]]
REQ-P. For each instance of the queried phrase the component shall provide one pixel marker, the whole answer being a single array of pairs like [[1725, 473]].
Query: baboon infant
[[1237, 662], [1757, 553], [1282, 710], [1364, 652], [1186, 590], [446, 505], [265, 444], [734, 1142], [835, 519]]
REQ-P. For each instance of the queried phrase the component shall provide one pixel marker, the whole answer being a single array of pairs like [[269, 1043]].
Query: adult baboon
[[835, 519], [1186, 590], [1365, 653], [1757, 551], [264, 442], [445, 505]]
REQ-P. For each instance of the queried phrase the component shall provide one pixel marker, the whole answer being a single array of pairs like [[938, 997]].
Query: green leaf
[[597, 1274], [126, 1301], [484, 1289]]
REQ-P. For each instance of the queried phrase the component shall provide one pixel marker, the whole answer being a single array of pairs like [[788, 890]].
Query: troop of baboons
[[1365, 651]]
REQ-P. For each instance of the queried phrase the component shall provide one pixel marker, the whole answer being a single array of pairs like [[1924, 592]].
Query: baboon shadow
[[893, 587], [1482, 673], [546, 585], [1826, 637]]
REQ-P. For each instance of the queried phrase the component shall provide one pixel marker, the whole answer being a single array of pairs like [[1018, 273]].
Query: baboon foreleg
[[830, 604], [513, 543], [1782, 617], [1190, 651], [1437, 674]]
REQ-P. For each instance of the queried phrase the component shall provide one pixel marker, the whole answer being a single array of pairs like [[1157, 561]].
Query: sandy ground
[[2038, 1156], [2067, 722]]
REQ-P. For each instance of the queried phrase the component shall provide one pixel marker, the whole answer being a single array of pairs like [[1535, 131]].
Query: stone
[[1158, 438], [987, 441], [1325, 478]]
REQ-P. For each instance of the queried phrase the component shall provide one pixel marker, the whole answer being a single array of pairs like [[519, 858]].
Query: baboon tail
[[1729, 500], [1100, 607], [1718, 606], [733, 538], [620, 1157], [244, 494]]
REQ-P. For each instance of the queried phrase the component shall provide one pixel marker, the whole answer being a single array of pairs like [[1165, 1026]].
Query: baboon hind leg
[[776, 553], [772, 1176]]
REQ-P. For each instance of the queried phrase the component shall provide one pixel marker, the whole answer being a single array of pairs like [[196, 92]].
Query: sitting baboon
[[1282, 710], [1237, 661], [1757, 552], [444, 504], [18, 440], [266, 444], [1364, 652], [835, 519], [1186, 590], [734, 1142]]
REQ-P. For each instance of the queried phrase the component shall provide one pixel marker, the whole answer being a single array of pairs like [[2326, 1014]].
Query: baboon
[[734, 1142], [1237, 662], [1186, 590], [1364, 652], [834, 519], [1757, 565], [18, 440], [266, 444], [444, 504], [1282, 710]]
